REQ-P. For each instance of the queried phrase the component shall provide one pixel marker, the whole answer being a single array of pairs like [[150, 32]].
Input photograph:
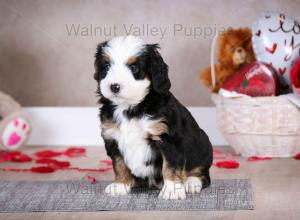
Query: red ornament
[[75, 152], [228, 164], [48, 153], [297, 157], [254, 80]]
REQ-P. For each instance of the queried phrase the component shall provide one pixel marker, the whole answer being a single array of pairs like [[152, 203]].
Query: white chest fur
[[131, 136], [134, 146]]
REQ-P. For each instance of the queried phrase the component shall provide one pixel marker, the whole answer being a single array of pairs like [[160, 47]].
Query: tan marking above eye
[[131, 60], [106, 58]]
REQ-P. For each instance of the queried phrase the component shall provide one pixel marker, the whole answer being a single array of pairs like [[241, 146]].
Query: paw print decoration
[[15, 134]]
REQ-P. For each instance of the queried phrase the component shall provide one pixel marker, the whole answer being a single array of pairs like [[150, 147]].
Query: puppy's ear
[[158, 70], [99, 60]]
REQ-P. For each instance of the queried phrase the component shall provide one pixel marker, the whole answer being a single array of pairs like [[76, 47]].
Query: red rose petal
[[217, 152], [91, 179], [42, 169], [297, 157], [52, 162], [48, 153], [228, 164], [20, 158], [62, 164], [251, 159], [75, 152], [45, 160], [106, 162], [9, 155]]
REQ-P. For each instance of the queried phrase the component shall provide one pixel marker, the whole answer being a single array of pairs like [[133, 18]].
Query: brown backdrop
[[44, 62]]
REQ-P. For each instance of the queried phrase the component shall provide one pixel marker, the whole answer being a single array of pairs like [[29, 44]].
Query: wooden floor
[[276, 185]]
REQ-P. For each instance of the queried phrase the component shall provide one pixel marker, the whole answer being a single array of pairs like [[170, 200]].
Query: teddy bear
[[15, 126], [235, 51]]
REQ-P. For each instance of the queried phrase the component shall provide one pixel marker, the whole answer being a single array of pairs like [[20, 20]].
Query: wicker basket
[[261, 126]]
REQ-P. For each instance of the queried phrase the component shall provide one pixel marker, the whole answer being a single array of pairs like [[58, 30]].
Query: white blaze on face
[[132, 91]]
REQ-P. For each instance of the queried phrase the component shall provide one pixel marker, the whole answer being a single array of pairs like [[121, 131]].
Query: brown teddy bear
[[235, 51]]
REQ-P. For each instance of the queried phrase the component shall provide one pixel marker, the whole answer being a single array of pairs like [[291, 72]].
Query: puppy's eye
[[106, 66], [134, 68]]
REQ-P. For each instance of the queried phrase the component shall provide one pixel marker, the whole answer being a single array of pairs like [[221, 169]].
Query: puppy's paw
[[193, 185], [117, 189], [172, 190]]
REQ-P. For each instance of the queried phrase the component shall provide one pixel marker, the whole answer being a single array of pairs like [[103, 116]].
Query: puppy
[[148, 134]]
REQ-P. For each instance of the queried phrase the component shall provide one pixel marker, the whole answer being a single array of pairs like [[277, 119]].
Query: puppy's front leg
[[123, 179], [173, 183]]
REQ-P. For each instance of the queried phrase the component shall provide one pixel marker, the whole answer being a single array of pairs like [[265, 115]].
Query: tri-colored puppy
[[148, 134]]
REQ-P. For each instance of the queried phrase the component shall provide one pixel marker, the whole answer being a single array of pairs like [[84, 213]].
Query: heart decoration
[[271, 50], [255, 79], [276, 41]]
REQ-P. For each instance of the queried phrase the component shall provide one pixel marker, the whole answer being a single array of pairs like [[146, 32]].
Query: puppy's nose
[[115, 88]]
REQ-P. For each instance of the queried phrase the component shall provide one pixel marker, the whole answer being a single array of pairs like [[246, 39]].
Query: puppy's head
[[127, 69]]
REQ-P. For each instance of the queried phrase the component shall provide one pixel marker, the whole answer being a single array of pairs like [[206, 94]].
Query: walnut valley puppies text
[[143, 30]]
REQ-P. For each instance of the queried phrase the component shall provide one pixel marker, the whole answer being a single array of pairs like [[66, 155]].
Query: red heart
[[282, 70], [272, 50], [256, 79]]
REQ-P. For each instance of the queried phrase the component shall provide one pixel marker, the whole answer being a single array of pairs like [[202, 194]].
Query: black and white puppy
[[148, 134]]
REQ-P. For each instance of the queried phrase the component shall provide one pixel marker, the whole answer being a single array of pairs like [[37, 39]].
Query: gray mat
[[78, 196]]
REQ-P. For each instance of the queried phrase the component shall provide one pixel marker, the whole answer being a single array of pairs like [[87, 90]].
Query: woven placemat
[[81, 196]]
